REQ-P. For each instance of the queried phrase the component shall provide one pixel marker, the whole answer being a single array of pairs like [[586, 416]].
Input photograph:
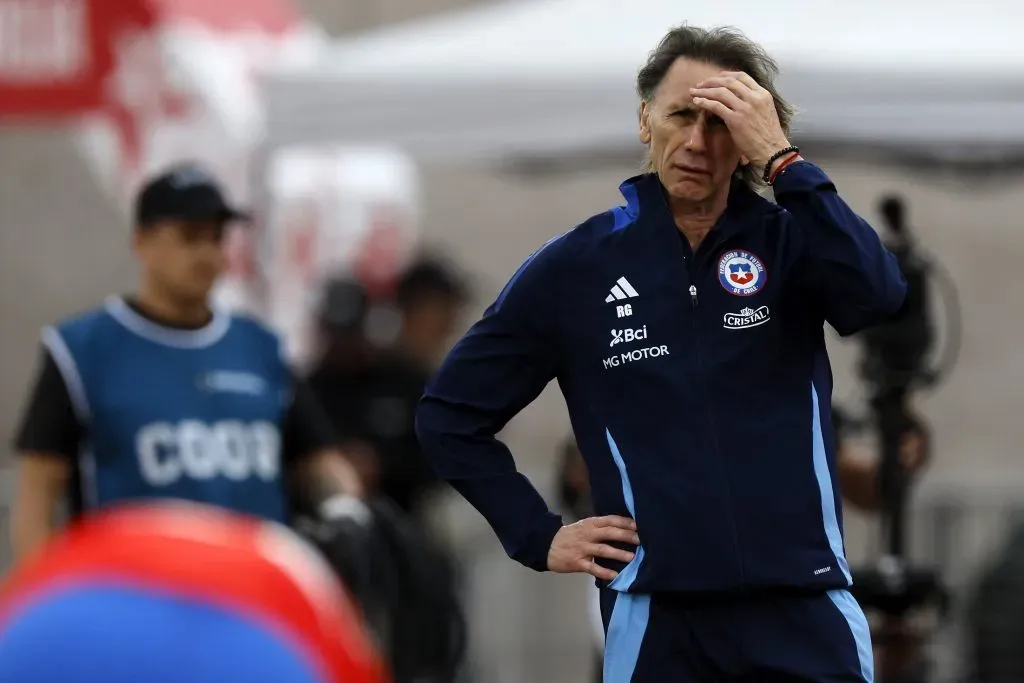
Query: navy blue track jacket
[[698, 384]]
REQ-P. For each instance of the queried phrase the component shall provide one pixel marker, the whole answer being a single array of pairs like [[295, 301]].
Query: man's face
[[185, 257], [692, 152]]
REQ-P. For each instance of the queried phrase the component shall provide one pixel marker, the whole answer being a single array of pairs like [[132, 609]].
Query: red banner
[[55, 55]]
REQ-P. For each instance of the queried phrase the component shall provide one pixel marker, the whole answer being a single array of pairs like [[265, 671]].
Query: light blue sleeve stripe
[[858, 623], [626, 630], [628, 575], [828, 499]]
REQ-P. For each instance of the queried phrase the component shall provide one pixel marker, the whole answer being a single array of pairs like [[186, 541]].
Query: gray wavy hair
[[725, 47]]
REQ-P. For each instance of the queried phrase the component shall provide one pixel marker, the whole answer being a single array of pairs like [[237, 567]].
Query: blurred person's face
[[184, 258], [431, 323], [691, 151]]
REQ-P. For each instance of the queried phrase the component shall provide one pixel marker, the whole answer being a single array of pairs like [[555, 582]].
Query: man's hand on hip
[[576, 547]]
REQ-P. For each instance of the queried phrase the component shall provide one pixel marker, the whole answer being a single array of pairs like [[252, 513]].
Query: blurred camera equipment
[[899, 359], [406, 587]]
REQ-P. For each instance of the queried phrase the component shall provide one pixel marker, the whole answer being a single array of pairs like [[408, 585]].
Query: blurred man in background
[[370, 382], [370, 387], [345, 369], [157, 395], [431, 298]]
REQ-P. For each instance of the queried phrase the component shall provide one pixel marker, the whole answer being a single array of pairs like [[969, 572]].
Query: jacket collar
[[646, 203]]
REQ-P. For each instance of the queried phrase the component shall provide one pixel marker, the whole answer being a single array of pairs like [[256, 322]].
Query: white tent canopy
[[550, 77]]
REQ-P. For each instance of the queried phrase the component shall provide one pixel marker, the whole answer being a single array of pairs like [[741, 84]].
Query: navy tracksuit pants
[[773, 638]]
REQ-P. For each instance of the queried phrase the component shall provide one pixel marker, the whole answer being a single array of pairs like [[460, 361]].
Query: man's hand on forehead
[[747, 109]]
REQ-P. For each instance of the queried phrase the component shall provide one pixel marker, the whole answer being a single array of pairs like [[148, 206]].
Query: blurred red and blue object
[[180, 593]]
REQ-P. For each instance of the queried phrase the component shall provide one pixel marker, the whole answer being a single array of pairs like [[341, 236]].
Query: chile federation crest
[[741, 273]]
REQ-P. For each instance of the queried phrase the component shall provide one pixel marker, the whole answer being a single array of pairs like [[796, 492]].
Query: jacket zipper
[[714, 428]]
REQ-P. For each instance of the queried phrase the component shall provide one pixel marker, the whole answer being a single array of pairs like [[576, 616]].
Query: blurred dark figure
[[347, 358], [409, 585], [994, 625], [897, 352], [431, 297], [369, 386], [894, 212], [370, 392], [371, 396]]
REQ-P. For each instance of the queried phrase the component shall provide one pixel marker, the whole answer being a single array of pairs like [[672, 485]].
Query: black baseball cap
[[184, 193]]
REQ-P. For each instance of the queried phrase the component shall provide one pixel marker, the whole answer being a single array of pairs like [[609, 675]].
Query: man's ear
[[645, 126]]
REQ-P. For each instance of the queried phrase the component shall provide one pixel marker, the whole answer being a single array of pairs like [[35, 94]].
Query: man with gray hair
[[686, 331]]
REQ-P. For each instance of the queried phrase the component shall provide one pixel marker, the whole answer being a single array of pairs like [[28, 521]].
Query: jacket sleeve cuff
[[534, 553], [801, 176], [517, 513]]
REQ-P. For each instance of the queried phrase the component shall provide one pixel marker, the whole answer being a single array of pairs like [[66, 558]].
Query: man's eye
[[715, 121]]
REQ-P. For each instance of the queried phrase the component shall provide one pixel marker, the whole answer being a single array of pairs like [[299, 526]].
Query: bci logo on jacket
[[627, 335]]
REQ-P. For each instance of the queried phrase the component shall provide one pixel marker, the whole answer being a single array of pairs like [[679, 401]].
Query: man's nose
[[696, 135]]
